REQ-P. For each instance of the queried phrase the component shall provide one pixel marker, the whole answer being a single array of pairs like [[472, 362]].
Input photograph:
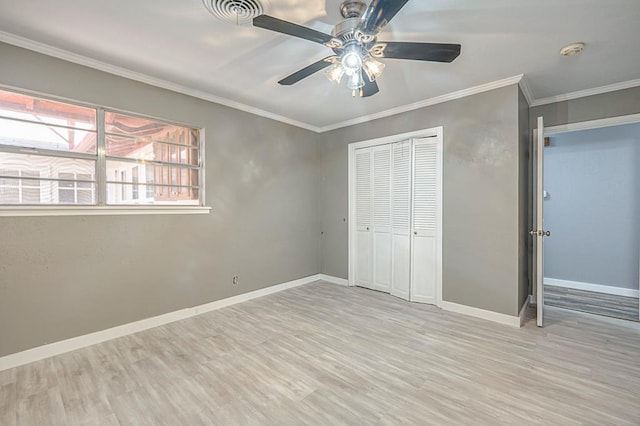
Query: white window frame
[[101, 208]]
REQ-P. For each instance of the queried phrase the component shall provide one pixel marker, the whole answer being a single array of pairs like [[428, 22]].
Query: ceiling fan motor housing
[[345, 31], [352, 9]]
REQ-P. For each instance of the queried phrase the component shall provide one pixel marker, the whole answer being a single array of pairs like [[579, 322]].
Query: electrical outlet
[[235, 280]]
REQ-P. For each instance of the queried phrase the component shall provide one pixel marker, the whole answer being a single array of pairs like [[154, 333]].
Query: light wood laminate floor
[[326, 354], [589, 301]]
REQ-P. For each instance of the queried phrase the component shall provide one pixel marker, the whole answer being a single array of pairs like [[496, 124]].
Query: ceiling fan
[[356, 47]]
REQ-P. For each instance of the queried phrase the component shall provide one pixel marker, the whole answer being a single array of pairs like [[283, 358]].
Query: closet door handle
[[415, 232], [367, 228]]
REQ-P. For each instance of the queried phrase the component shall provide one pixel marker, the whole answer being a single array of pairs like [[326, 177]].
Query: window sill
[[99, 211]]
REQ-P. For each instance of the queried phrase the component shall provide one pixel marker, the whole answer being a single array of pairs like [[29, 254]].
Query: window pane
[[125, 125], [9, 173], [30, 174], [84, 176], [16, 105], [43, 186], [152, 194], [149, 179], [69, 176], [85, 196], [47, 192], [146, 149], [135, 189], [123, 171], [31, 195], [66, 196], [30, 189], [9, 188], [42, 136], [46, 167]]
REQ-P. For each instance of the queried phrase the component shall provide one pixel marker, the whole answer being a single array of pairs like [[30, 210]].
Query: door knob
[[540, 233], [415, 232], [367, 228]]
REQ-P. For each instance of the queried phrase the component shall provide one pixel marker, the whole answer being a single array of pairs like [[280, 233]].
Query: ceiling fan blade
[[434, 52], [307, 71], [378, 14], [284, 27], [370, 88]]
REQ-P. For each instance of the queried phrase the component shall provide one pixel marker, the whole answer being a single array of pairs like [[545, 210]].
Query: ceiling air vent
[[237, 11]]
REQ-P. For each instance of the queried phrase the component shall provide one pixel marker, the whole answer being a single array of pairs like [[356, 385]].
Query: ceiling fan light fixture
[[355, 81], [351, 60], [373, 68], [335, 73]]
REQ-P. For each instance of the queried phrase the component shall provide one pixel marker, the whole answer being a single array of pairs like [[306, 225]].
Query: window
[[123, 189], [135, 194], [49, 155], [75, 188], [20, 191], [149, 171], [168, 152]]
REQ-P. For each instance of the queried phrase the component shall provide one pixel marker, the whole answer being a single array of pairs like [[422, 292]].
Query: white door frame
[[584, 125], [436, 132]]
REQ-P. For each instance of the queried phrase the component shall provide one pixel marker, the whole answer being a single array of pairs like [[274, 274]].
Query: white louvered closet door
[[426, 176], [400, 217], [382, 261], [364, 246]]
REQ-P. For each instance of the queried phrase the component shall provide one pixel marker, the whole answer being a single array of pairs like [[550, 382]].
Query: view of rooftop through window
[[49, 155]]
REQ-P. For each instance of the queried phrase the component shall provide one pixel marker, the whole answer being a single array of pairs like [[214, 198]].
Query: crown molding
[[521, 80], [143, 78], [588, 92], [164, 84], [526, 90], [427, 102]]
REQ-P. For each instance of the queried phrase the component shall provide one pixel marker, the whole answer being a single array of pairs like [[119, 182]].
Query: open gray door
[[538, 233]]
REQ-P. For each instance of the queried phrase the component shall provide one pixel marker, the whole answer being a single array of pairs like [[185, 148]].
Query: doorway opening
[[591, 198]]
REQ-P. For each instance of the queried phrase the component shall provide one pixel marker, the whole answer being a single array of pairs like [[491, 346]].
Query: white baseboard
[[481, 313], [523, 311], [618, 291], [334, 280], [57, 348], [424, 300]]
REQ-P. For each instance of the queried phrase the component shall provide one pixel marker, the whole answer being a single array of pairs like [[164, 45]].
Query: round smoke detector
[[572, 49], [236, 11]]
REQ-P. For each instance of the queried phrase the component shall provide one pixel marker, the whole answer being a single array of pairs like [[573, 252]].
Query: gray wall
[[606, 105], [66, 276], [593, 209], [481, 230], [524, 257]]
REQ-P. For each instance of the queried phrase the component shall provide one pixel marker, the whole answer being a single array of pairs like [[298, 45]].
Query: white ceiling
[[180, 42]]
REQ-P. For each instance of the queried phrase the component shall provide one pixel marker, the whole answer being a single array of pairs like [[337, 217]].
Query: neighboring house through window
[[14, 190]]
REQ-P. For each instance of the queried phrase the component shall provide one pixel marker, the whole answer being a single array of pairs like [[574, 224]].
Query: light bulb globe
[[355, 81], [351, 60]]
